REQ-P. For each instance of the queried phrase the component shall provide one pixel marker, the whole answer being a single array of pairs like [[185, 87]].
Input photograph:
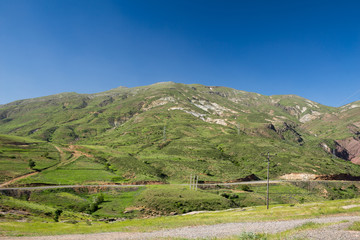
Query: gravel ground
[[335, 232]]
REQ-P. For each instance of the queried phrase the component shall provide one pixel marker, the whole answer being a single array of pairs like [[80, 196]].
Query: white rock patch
[[217, 121], [160, 102], [214, 107], [309, 117], [195, 114], [201, 116]]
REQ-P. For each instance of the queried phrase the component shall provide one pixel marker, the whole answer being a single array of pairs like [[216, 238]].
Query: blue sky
[[307, 48]]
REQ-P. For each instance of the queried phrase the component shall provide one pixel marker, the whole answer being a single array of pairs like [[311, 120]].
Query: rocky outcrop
[[287, 131], [348, 149], [309, 117], [106, 102], [354, 129]]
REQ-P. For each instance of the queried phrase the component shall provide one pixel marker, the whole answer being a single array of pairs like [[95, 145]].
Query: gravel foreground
[[333, 232]]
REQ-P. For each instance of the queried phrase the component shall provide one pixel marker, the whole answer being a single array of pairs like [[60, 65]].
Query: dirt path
[[17, 178], [75, 155], [62, 154], [333, 232]]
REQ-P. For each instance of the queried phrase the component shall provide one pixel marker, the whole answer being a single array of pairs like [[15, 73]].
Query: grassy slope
[[125, 127], [15, 153], [276, 212], [83, 171]]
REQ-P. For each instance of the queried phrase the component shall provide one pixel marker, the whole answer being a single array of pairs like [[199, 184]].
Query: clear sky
[[310, 48]]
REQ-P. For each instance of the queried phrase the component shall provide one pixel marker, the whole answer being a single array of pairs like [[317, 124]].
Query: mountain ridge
[[146, 132], [170, 82]]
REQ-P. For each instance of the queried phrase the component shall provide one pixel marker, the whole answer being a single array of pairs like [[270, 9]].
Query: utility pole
[[197, 181], [164, 134], [190, 181], [268, 171], [194, 180]]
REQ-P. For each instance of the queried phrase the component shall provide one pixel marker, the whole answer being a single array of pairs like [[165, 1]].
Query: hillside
[[168, 131], [16, 152]]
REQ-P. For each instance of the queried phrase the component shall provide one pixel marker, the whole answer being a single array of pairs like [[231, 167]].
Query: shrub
[[32, 164], [94, 206], [246, 188], [57, 214]]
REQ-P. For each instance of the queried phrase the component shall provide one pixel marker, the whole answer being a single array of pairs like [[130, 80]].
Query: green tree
[[32, 164], [94, 206]]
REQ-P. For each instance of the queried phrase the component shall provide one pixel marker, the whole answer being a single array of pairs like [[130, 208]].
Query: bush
[[246, 188], [32, 164], [225, 195], [94, 206], [57, 214]]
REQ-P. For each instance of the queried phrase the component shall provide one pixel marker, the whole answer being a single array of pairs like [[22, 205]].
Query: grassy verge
[[355, 226], [276, 212]]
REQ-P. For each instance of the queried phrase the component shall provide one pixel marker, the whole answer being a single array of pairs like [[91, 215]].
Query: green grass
[[287, 193], [123, 131], [70, 176], [276, 212], [119, 204], [68, 200], [288, 234], [355, 226], [179, 199], [37, 210], [306, 226], [82, 171], [124, 127], [16, 152]]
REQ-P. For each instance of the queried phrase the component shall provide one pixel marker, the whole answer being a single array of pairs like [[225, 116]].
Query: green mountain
[[168, 131]]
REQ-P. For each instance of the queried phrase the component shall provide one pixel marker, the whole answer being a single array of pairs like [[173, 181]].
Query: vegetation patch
[[47, 226], [166, 200], [19, 156], [355, 226]]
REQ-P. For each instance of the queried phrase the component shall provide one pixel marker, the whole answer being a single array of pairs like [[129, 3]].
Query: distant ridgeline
[[166, 132]]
